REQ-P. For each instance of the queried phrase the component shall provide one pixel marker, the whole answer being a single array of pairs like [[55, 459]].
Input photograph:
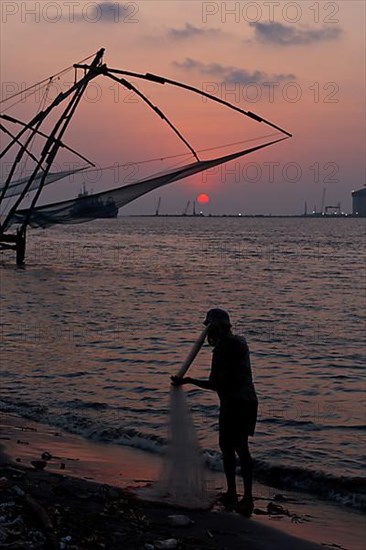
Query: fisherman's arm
[[204, 384]]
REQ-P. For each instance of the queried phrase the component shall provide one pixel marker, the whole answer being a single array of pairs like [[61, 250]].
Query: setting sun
[[203, 198]]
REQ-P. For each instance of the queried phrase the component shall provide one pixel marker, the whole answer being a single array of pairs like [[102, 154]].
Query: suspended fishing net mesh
[[76, 211], [182, 478], [106, 203]]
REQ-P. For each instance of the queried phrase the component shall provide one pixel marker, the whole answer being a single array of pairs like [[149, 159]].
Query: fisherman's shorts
[[237, 420]]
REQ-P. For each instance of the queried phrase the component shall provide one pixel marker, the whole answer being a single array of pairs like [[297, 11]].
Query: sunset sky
[[298, 64]]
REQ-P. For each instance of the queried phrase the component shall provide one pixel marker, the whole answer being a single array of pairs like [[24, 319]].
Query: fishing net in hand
[[182, 478]]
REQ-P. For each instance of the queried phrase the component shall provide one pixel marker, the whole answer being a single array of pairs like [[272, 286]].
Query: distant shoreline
[[311, 216]]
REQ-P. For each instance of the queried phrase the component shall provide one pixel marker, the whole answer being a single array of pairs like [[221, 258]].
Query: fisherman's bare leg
[[246, 466], [229, 460], [230, 499]]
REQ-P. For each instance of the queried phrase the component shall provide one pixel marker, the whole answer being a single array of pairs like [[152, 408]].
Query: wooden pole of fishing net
[[192, 354]]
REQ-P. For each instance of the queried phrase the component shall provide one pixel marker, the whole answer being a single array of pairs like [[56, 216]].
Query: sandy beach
[[86, 497]]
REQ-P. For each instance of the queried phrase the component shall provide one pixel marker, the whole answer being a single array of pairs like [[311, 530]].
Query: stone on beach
[[276, 509], [18, 491], [167, 544], [180, 520], [39, 464], [46, 456], [3, 482]]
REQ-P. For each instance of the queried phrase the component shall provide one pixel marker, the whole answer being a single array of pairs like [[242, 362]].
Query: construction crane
[[158, 207], [185, 211]]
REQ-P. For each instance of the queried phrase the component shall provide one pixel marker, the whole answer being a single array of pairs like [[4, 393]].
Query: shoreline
[[83, 464], [45, 510], [305, 216]]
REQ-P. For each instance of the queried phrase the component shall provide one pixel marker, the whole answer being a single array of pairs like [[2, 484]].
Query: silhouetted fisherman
[[231, 378]]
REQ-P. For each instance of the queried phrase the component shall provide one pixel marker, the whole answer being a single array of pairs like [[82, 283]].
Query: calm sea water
[[105, 312]]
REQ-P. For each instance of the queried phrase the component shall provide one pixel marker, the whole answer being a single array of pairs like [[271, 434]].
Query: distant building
[[359, 202]]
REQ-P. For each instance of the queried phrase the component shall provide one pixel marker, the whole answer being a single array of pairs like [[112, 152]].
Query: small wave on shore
[[344, 490]]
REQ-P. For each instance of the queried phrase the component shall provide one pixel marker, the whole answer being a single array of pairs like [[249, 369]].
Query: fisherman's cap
[[218, 317]]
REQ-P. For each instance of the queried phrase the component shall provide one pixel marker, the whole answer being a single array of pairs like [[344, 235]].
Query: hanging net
[[107, 203], [181, 481], [15, 188], [87, 207]]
